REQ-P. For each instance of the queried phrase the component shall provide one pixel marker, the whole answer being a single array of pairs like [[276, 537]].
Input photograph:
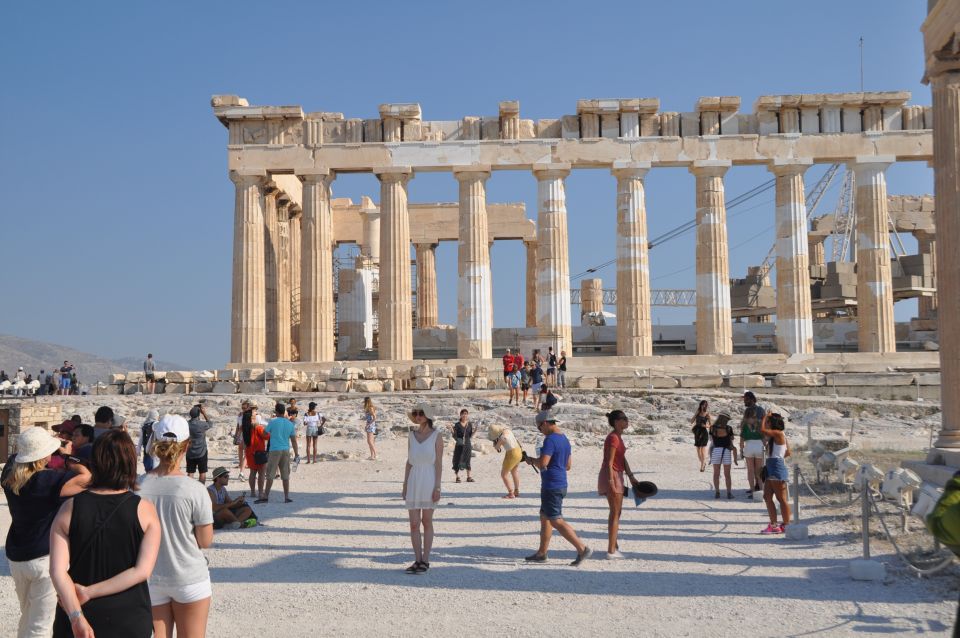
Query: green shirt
[[748, 434]]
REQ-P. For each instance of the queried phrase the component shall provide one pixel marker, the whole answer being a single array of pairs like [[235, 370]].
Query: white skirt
[[721, 456]]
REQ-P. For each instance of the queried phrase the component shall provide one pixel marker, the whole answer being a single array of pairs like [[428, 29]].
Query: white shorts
[[721, 456], [753, 449], [185, 594]]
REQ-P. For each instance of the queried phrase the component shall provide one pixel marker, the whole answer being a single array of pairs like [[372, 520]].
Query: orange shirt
[[614, 444]]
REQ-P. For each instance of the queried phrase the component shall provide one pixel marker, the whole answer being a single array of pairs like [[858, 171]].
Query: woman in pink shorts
[[610, 481]]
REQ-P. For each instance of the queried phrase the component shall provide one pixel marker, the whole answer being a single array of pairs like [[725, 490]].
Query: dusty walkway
[[331, 563]]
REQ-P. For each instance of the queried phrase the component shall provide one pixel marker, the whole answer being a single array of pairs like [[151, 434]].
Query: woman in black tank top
[[701, 436], [103, 546]]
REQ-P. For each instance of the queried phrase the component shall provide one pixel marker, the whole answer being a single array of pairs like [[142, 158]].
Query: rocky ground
[[332, 561]]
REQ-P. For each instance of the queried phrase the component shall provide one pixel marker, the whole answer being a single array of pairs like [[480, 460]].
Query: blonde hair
[[369, 407], [22, 473], [168, 452]]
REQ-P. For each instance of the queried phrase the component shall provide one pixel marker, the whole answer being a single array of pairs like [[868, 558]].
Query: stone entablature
[[624, 119]]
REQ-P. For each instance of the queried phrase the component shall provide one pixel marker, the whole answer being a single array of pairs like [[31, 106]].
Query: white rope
[[823, 502], [947, 561]]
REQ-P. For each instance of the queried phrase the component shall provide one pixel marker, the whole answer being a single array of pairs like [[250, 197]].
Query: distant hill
[[38, 355]]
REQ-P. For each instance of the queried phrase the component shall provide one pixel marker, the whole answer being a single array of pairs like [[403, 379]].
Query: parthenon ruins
[[284, 162]]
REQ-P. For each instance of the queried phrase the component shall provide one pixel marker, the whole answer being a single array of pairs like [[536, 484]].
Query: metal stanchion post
[[865, 520], [796, 492]]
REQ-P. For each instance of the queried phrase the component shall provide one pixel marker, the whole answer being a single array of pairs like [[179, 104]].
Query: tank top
[[776, 450], [105, 537]]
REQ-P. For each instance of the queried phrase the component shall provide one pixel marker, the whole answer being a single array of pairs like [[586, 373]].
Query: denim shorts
[[551, 503], [777, 469]]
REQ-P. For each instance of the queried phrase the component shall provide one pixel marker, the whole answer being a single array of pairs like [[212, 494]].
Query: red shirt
[[508, 362], [518, 360], [614, 444]]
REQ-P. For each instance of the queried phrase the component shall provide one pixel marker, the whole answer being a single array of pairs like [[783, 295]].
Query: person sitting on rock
[[228, 513], [547, 398]]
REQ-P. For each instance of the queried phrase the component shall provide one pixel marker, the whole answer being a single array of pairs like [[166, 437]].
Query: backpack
[[944, 521]]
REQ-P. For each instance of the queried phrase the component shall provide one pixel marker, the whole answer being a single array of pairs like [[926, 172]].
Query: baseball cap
[[172, 426], [220, 471], [545, 416], [67, 427]]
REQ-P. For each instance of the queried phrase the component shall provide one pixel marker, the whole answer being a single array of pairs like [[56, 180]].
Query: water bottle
[[296, 462]]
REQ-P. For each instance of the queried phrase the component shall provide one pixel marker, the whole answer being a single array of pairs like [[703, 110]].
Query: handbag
[[261, 457]]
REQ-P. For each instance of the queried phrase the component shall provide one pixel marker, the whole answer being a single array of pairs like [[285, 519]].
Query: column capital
[[623, 168], [789, 166], [472, 172], [871, 162], [248, 178], [557, 170], [316, 175], [710, 168], [393, 173], [426, 244]]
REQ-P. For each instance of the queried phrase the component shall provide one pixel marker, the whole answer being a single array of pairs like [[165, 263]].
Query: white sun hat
[[35, 443]]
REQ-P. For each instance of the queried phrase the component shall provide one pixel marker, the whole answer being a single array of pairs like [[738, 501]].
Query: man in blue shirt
[[554, 463], [282, 434]]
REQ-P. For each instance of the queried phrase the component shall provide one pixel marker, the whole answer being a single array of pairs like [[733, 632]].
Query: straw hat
[[494, 432], [427, 410], [35, 443]]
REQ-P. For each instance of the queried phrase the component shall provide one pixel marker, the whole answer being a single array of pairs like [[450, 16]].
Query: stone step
[[936, 474]]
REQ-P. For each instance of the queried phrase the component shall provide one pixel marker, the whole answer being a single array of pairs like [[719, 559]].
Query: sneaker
[[233, 525], [587, 552], [536, 558], [615, 555], [749, 494], [250, 522], [241, 477], [772, 529]]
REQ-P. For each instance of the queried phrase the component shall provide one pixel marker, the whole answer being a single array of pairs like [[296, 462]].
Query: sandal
[[422, 567], [470, 479], [458, 480], [508, 496], [716, 494], [413, 568]]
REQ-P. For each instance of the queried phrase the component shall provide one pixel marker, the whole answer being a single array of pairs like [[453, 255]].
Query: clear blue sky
[[117, 213]]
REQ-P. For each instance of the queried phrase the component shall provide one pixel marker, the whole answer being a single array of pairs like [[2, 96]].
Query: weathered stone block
[[204, 375], [462, 383], [420, 370], [745, 381], [871, 570], [442, 371], [588, 383], [179, 376], [118, 378], [927, 378], [389, 385], [701, 381], [321, 375], [176, 388], [227, 375], [659, 382], [225, 387], [462, 370], [304, 385], [617, 382], [801, 379], [338, 385], [480, 383], [441, 383], [384, 372], [132, 388], [871, 379], [368, 386], [321, 386], [159, 375], [280, 386], [422, 383], [134, 377], [480, 371], [203, 386], [250, 374]]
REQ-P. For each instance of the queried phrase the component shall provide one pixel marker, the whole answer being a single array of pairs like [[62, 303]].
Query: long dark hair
[[701, 406], [113, 462], [246, 426]]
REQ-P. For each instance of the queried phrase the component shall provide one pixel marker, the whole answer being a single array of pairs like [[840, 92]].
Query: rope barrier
[[823, 502], [948, 560]]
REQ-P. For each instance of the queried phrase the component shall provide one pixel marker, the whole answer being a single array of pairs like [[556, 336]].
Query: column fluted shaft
[[395, 305], [284, 288], [316, 270], [531, 287], [427, 312], [474, 303], [794, 312], [295, 266], [946, 170], [714, 329], [875, 323], [271, 234], [634, 328], [553, 260], [927, 245], [248, 323]]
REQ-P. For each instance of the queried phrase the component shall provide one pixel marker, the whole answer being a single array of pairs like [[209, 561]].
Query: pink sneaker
[[772, 529]]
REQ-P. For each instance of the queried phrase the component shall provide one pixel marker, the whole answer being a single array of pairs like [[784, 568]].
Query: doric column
[[294, 262], [553, 260], [943, 72], [371, 229], [395, 306], [794, 313], [927, 245], [474, 305], [714, 329], [282, 308], [875, 325], [355, 322], [271, 253], [816, 249], [531, 288], [634, 331], [591, 296], [316, 269], [248, 321], [426, 285]]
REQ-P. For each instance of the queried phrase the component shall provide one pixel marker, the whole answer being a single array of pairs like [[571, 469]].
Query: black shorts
[[150, 376], [197, 465], [524, 386]]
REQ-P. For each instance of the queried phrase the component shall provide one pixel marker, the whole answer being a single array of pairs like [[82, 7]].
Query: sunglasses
[[418, 413]]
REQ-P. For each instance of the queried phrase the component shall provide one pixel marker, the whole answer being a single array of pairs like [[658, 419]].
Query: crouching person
[[228, 513]]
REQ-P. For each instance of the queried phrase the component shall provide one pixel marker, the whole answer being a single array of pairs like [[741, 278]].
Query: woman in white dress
[[421, 484]]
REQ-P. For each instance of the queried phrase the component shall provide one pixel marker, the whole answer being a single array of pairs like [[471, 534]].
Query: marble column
[[531, 287], [294, 261], [474, 303], [875, 324], [395, 305], [282, 308], [941, 35], [553, 258], [816, 250], [271, 232], [794, 313], [317, 309], [714, 322], [248, 321], [634, 328], [927, 245], [591, 297], [371, 230], [426, 285]]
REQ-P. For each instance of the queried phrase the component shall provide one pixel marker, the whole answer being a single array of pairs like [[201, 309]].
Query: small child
[[525, 380], [513, 380]]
